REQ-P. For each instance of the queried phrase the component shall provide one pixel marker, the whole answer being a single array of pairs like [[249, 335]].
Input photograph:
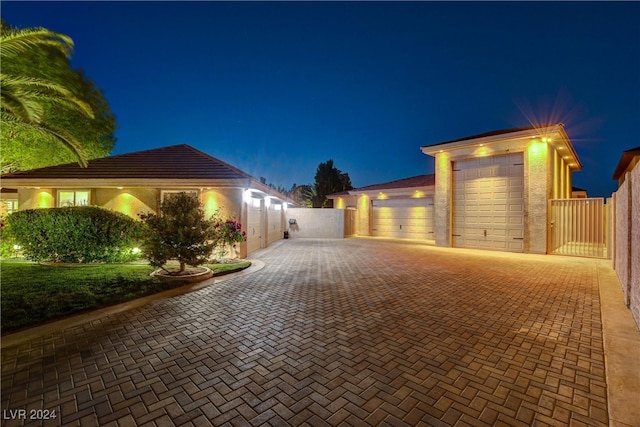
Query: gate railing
[[578, 227]]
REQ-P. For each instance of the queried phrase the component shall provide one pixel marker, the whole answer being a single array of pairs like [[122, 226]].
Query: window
[[169, 193], [73, 198], [8, 206]]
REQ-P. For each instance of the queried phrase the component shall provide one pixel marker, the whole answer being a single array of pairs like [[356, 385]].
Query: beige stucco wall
[[32, 198], [626, 259], [317, 223], [129, 201], [634, 256], [363, 217], [538, 187], [442, 199], [622, 236], [227, 200]]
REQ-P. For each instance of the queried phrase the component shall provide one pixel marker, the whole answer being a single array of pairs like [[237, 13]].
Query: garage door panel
[[408, 218], [488, 203]]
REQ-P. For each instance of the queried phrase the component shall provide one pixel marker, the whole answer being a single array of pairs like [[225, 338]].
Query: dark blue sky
[[276, 88]]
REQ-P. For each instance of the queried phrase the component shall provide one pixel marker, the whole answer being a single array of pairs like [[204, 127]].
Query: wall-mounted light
[[247, 196], [267, 201]]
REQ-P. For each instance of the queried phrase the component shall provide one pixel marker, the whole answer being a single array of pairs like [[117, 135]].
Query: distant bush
[[78, 234]]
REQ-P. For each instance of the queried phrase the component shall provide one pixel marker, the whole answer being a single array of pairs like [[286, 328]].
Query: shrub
[[181, 232], [226, 234], [77, 234]]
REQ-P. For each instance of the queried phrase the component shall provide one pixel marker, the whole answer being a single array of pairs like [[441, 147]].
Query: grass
[[33, 293]]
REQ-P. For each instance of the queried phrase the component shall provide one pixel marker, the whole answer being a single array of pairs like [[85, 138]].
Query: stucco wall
[[31, 198], [622, 238], [634, 303], [537, 191], [318, 223], [363, 218], [128, 201], [442, 200], [626, 260]]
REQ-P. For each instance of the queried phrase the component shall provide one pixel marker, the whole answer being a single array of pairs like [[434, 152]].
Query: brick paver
[[348, 332]]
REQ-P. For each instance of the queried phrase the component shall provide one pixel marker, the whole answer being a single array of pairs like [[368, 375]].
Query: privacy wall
[[626, 259], [318, 223]]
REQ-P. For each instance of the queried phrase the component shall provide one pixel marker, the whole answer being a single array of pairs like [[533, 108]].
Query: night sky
[[276, 88]]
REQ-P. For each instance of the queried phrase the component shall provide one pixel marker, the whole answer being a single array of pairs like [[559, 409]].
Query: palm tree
[[22, 97]]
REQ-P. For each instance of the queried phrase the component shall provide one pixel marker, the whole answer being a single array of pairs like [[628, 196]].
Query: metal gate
[[578, 227]]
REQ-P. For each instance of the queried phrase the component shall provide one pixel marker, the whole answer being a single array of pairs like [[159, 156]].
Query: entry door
[[408, 218], [488, 205]]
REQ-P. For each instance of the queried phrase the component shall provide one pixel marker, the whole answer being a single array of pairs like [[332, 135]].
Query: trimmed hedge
[[78, 234]]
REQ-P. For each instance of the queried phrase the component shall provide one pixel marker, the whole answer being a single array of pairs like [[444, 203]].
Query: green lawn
[[33, 293]]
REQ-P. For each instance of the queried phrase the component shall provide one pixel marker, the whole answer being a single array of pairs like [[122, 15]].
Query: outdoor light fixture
[[267, 201], [247, 196], [135, 250]]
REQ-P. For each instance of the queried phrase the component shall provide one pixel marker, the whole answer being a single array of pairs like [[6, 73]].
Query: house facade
[[138, 182], [489, 191]]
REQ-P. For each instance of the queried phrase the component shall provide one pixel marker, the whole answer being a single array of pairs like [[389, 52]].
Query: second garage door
[[403, 218], [488, 207]]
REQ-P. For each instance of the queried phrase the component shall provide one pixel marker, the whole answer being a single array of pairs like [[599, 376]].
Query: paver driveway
[[337, 332]]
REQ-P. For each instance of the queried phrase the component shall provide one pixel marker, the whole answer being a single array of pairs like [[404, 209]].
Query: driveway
[[336, 332]]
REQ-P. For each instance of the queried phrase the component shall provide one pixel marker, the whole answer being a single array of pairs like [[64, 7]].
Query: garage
[[255, 225], [404, 218], [488, 205]]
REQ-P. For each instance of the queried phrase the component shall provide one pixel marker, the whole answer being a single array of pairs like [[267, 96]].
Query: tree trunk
[[182, 266]]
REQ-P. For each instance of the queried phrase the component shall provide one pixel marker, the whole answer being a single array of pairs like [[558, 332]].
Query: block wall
[[317, 223]]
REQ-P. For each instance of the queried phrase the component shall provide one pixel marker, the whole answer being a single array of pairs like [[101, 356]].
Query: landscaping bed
[[33, 293]]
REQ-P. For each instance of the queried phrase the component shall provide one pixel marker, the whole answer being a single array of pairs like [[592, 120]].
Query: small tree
[[181, 232]]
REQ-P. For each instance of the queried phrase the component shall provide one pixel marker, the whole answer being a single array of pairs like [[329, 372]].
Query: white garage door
[[488, 204], [403, 218], [254, 226]]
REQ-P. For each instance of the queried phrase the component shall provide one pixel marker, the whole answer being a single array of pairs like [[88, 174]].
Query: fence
[[626, 257], [579, 227]]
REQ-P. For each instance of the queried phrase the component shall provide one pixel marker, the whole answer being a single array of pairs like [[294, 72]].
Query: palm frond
[[17, 41], [22, 108], [36, 88], [50, 132]]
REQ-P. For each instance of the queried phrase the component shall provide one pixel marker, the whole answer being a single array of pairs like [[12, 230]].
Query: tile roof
[[414, 181], [173, 162], [627, 157], [492, 133]]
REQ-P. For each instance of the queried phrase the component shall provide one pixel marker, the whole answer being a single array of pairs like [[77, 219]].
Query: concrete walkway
[[339, 332]]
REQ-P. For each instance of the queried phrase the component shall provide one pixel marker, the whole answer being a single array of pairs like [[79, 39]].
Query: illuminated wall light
[[285, 205], [211, 203], [267, 201], [247, 196], [119, 188], [44, 200]]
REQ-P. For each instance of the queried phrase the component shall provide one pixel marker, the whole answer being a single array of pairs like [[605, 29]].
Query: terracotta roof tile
[[414, 181], [174, 162], [491, 133]]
